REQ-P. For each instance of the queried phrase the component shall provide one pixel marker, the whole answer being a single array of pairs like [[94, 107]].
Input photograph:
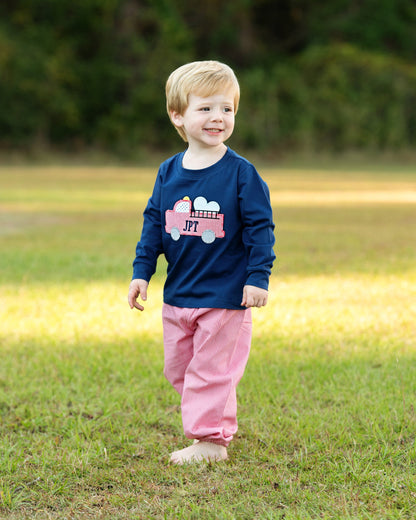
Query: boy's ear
[[176, 118]]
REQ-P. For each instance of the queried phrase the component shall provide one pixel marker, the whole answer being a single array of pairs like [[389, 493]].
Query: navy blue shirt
[[215, 228]]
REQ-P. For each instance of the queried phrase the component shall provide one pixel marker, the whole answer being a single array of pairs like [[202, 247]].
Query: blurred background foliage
[[334, 75]]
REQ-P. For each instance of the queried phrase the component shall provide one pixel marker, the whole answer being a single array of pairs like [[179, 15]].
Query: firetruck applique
[[203, 220]]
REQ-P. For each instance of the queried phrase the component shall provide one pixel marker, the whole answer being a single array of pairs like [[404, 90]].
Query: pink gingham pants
[[206, 352]]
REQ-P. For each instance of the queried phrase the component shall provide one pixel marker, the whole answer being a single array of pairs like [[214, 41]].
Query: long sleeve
[[258, 227], [150, 245]]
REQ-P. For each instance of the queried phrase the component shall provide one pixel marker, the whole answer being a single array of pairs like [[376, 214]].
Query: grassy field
[[326, 407]]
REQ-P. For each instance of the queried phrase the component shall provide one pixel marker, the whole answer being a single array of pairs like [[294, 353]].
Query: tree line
[[330, 75]]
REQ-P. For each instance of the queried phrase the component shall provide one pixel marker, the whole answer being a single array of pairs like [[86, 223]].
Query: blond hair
[[202, 78]]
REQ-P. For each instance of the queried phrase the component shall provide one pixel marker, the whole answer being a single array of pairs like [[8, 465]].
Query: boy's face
[[207, 121]]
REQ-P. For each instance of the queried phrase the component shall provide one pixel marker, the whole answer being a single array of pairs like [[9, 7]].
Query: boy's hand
[[138, 287], [254, 296]]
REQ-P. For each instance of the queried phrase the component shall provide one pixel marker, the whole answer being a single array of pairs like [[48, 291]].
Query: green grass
[[327, 404]]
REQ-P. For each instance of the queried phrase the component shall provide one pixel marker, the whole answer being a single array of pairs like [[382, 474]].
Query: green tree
[[80, 73]]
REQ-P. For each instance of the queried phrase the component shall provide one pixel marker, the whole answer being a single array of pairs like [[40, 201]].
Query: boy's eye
[[205, 109], [228, 109]]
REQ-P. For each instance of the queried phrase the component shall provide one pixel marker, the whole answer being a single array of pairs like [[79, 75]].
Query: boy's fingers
[[131, 298], [135, 304], [251, 302], [137, 289]]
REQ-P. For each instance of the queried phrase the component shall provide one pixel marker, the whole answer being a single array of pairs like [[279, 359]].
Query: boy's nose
[[217, 115]]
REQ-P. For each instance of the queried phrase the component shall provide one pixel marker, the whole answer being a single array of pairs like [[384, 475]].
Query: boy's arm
[[258, 236], [150, 244]]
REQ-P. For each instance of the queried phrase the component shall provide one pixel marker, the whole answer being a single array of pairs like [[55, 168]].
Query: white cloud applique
[[201, 204]]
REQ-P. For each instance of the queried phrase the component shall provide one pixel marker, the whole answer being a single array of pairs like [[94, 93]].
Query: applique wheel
[[208, 236], [175, 234]]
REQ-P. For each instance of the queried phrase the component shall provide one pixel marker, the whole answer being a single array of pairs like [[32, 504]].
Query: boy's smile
[[207, 121]]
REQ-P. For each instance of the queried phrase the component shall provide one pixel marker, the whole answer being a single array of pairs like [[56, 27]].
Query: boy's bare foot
[[198, 452]]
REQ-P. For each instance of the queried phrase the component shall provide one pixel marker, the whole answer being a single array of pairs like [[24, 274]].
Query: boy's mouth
[[213, 130]]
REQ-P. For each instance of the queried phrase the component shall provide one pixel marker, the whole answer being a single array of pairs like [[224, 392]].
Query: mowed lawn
[[327, 404]]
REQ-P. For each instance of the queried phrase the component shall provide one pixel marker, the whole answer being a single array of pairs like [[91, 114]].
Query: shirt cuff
[[258, 279]]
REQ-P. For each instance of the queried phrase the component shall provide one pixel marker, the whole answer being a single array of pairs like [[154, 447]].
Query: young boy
[[210, 216]]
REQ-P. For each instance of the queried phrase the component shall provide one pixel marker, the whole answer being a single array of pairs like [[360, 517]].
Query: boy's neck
[[197, 159]]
